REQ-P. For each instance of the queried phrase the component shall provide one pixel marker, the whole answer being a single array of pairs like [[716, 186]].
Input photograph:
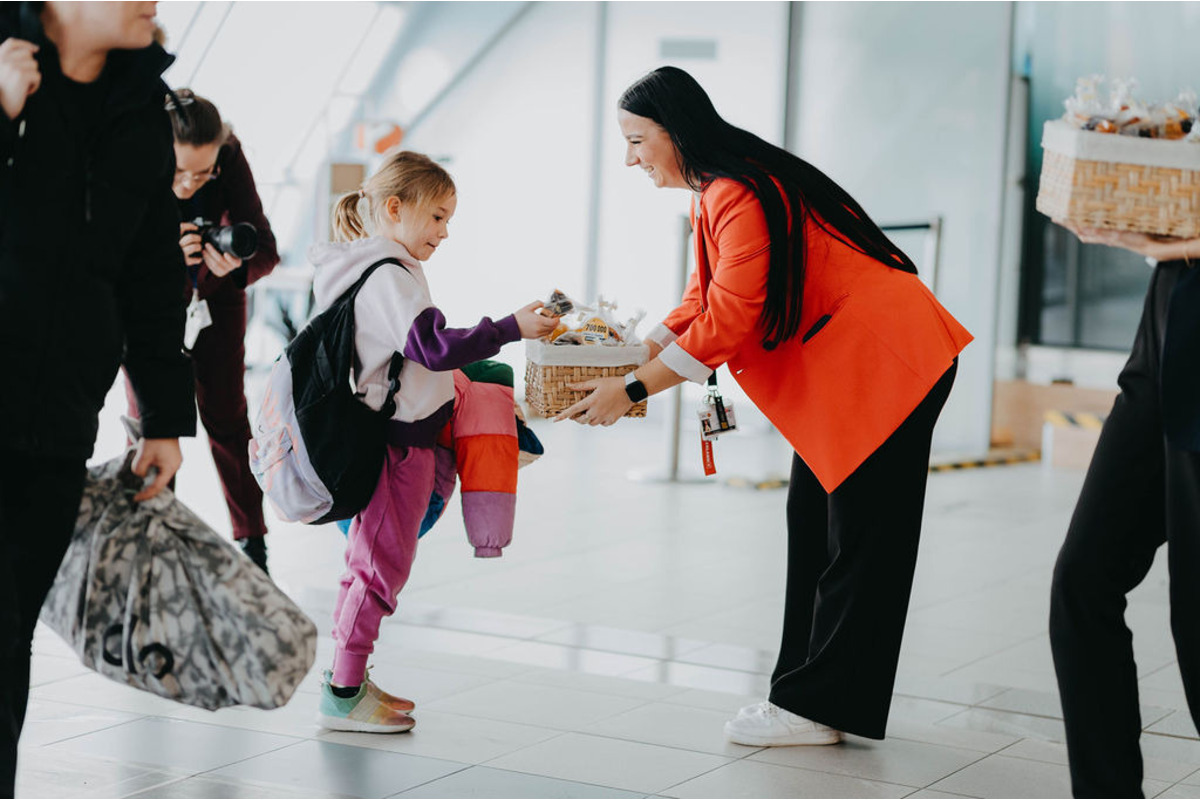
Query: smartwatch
[[635, 390]]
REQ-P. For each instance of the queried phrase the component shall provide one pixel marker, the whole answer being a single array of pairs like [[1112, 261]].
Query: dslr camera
[[240, 240]]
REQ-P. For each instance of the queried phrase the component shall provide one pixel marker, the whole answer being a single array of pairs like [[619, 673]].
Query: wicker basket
[[550, 368], [1118, 182]]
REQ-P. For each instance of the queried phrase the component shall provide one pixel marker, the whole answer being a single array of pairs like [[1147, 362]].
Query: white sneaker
[[768, 725]]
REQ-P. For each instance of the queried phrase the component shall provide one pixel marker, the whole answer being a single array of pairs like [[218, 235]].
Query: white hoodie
[[384, 311]]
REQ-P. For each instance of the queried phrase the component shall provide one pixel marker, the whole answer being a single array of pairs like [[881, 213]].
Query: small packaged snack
[[1123, 113], [593, 325], [558, 304]]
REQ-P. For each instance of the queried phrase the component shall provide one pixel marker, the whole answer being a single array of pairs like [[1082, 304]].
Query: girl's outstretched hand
[[532, 324]]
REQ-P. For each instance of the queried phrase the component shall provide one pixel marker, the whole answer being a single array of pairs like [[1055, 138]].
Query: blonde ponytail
[[415, 179], [347, 224]]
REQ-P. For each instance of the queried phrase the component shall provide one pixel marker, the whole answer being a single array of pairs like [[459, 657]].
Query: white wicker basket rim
[[584, 355], [1063, 138]]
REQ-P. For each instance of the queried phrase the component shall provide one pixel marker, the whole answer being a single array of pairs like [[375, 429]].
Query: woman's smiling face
[[649, 146]]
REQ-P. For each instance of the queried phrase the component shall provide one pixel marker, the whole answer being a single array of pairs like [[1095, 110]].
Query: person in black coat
[[1142, 490], [90, 270]]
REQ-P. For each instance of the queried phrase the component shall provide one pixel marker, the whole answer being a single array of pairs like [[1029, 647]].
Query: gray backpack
[[150, 596]]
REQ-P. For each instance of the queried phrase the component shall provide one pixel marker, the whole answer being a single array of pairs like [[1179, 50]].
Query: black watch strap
[[635, 390]]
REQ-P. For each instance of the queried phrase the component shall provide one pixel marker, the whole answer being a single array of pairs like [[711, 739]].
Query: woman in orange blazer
[[825, 325]]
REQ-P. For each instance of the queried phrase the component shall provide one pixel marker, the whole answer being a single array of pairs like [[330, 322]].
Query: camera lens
[[239, 240]]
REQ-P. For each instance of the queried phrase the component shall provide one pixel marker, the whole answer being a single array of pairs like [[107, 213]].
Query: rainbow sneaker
[[369, 711], [398, 703]]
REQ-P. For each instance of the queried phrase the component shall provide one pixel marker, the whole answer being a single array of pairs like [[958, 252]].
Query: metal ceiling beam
[[208, 45], [469, 67]]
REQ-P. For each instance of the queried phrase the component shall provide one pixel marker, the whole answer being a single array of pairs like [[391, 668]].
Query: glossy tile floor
[[600, 656]]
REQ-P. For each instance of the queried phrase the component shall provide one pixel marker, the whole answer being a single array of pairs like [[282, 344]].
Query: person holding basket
[[823, 322], [1142, 490]]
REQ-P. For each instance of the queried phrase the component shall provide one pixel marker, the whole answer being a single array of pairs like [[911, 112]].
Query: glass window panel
[[340, 112], [189, 50], [175, 19], [273, 69], [425, 74], [374, 49], [285, 215]]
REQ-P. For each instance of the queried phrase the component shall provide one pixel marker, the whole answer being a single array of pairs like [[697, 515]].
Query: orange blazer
[[872, 340]]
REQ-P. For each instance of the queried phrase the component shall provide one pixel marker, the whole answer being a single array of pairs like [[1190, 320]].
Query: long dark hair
[[711, 148], [195, 121]]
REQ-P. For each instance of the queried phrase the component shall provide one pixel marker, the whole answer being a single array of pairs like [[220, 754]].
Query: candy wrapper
[[595, 325], [558, 304], [1120, 111]]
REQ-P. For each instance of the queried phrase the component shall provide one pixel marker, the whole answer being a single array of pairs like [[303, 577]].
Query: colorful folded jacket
[[481, 443], [481, 446]]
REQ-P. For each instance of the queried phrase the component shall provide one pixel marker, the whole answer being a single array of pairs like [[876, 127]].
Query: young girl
[[410, 201]]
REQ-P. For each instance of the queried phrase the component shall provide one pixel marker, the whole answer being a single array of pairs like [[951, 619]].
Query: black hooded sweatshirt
[[90, 265]]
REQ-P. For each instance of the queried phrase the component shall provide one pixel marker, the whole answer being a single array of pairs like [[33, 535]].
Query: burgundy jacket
[[229, 199]]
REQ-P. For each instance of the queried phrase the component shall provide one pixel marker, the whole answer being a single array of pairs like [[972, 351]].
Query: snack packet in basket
[[558, 304], [594, 325]]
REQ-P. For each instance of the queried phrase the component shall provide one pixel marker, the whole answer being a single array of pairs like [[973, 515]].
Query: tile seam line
[[611, 651], [983, 757], [1026, 640], [804, 769], [464, 768], [89, 733], [518, 772], [979, 753], [256, 755]]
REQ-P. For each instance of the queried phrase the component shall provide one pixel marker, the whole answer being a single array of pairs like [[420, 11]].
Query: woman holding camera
[[213, 184]]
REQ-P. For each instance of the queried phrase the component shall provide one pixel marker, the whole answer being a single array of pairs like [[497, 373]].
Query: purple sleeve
[[436, 347]]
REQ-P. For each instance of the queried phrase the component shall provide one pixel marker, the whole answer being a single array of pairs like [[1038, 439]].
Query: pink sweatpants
[[379, 554]]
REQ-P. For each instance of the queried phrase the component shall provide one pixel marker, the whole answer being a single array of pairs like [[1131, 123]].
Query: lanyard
[[713, 405]]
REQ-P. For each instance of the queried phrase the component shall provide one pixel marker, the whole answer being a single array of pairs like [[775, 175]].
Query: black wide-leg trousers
[[1140, 491], [39, 501], [851, 557]]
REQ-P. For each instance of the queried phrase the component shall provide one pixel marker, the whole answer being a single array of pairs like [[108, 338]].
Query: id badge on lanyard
[[716, 416], [198, 316]]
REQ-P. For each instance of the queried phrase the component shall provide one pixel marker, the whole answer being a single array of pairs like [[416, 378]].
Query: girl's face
[[650, 147], [194, 167], [419, 228]]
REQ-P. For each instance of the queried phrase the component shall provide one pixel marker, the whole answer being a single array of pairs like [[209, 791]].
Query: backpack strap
[[352, 292], [389, 405]]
